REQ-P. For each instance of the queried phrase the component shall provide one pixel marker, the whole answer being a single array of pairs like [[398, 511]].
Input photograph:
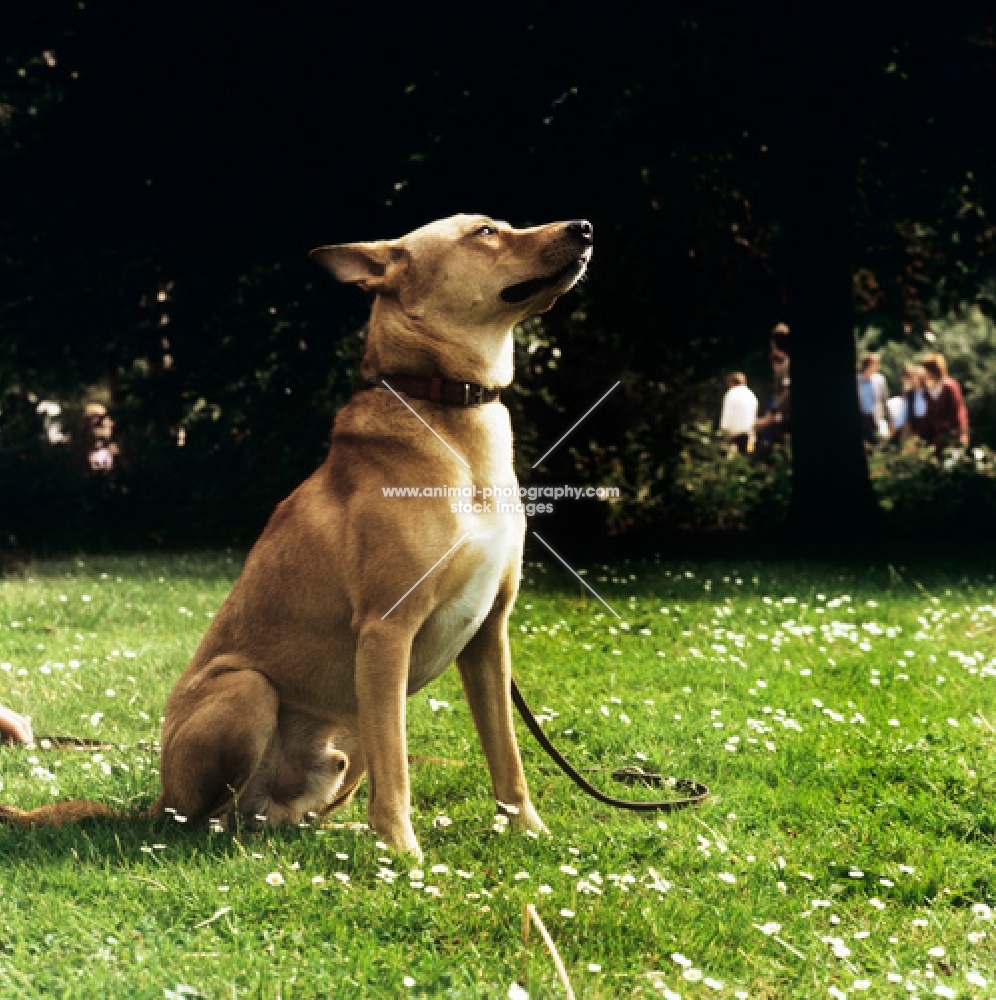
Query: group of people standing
[[930, 405]]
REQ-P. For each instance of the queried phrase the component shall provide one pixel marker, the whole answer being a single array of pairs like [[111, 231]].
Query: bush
[[715, 488], [921, 490]]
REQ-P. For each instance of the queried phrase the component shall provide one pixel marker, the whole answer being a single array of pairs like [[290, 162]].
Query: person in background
[[739, 413], [873, 396], [946, 420], [51, 414], [14, 728], [907, 410], [98, 438], [774, 427]]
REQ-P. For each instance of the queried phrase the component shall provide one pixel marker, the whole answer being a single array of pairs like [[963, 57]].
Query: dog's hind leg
[[219, 726], [218, 730], [352, 746]]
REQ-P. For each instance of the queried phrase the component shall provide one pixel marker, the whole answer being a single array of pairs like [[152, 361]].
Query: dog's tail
[[72, 812]]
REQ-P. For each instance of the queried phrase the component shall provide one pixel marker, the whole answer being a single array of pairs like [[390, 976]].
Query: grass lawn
[[845, 720]]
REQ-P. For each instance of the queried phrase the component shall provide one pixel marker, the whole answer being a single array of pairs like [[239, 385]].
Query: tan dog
[[352, 600]]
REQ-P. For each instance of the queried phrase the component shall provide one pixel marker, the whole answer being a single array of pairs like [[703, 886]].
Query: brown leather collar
[[437, 389]]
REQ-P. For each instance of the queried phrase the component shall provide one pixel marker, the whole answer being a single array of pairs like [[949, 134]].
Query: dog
[[352, 600]]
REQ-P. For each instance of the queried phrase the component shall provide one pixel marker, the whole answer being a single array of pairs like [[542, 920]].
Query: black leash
[[73, 743], [699, 792]]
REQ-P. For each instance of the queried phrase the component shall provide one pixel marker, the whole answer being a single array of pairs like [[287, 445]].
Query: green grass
[[844, 719]]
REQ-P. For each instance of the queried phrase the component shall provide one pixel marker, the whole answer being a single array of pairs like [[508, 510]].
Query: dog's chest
[[479, 564]]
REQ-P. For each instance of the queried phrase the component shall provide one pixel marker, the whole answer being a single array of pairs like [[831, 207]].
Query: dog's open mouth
[[523, 290]]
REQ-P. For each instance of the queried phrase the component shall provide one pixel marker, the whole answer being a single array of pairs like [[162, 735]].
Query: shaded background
[[164, 171]]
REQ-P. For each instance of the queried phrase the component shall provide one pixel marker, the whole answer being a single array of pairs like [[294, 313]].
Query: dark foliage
[[163, 173]]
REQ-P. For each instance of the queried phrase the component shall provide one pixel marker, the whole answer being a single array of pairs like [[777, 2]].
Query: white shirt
[[898, 408], [739, 411], [101, 459]]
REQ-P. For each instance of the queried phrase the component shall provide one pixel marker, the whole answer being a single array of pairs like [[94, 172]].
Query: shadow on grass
[[98, 842]]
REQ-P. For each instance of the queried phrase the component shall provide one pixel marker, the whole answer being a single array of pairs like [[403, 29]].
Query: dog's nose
[[581, 229]]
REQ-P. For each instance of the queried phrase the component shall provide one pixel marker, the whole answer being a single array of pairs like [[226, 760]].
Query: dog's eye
[[485, 231]]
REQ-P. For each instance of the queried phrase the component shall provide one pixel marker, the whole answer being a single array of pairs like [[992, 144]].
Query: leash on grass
[[699, 792], [75, 743], [631, 775]]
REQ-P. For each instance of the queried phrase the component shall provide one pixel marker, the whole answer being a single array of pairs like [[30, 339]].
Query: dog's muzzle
[[579, 232]]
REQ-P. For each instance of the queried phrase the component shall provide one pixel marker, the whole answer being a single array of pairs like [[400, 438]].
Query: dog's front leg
[[382, 658], [485, 667]]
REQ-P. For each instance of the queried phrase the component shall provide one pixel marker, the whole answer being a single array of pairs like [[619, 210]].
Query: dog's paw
[[408, 846], [534, 824], [399, 837], [523, 816]]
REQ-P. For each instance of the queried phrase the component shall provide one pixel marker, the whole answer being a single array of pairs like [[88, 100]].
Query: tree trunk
[[832, 497]]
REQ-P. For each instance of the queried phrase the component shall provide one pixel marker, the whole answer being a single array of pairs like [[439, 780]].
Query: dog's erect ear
[[372, 266]]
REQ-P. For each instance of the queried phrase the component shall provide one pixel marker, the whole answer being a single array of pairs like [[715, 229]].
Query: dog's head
[[446, 296]]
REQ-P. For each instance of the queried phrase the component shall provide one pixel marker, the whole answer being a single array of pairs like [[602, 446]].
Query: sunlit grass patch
[[844, 719]]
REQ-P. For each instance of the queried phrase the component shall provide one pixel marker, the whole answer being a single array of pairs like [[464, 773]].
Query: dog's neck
[[399, 344]]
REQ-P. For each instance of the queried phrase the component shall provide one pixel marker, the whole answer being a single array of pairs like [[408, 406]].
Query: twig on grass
[[418, 758], [149, 881], [529, 914], [720, 841], [768, 932], [768, 960], [218, 914], [785, 944]]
